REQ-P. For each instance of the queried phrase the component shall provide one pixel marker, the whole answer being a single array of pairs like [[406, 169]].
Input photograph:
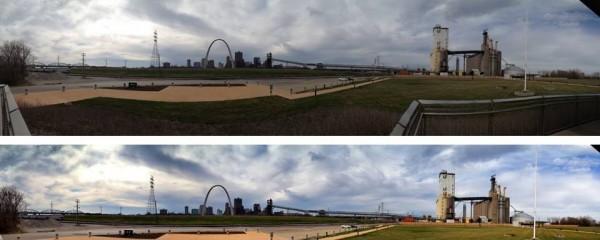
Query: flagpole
[[535, 193], [526, 47]]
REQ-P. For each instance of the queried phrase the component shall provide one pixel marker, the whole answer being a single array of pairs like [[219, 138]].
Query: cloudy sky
[[563, 33], [356, 178]]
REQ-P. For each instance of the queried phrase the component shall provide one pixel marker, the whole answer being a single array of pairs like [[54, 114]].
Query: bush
[[14, 57]]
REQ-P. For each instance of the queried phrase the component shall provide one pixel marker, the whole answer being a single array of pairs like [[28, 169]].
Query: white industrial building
[[439, 51], [445, 201]]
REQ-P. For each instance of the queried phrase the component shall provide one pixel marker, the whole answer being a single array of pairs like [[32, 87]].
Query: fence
[[12, 123], [528, 116]]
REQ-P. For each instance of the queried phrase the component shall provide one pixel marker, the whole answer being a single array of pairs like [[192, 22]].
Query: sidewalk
[[359, 233]]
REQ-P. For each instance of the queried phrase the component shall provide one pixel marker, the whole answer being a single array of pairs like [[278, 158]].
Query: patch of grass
[[213, 220], [368, 110], [434, 231], [574, 228]]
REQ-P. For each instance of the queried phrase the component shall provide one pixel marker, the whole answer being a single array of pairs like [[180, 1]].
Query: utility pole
[[120, 210], [105, 62], [82, 65], [77, 212], [51, 207]]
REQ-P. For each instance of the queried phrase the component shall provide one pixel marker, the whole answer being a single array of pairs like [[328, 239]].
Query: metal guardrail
[[527, 116], [12, 123]]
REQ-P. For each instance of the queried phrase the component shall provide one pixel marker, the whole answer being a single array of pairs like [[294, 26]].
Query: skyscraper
[[256, 209], [228, 63], [257, 62], [227, 209], [238, 206], [189, 63], [239, 60], [187, 210]]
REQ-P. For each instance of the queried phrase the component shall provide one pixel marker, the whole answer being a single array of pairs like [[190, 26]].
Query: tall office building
[[238, 206]]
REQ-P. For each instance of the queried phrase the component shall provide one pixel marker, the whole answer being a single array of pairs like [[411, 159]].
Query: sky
[[563, 34], [347, 178]]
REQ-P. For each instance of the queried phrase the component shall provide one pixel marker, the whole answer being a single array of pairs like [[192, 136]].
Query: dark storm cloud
[[459, 9], [163, 13], [39, 158], [159, 159]]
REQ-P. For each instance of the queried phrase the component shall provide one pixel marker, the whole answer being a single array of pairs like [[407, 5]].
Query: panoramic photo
[[312, 68], [299, 192]]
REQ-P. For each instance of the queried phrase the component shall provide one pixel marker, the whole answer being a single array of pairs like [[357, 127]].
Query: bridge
[[342, 213], [342, 66]]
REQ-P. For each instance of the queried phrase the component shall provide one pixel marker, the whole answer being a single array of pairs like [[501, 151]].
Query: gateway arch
[[203, 210], [228, 49]]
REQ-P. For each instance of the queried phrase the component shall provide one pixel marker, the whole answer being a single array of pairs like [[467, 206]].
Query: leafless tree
[[11, 201], [14, 57]]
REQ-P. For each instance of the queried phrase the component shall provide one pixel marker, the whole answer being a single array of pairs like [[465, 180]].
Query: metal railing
[[12, 123], [528, 116]]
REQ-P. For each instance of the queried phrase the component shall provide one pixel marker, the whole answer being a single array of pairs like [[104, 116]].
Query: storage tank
[[521, 217], [512, 71]]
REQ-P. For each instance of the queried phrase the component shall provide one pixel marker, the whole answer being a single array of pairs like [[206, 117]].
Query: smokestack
[[496, 46]]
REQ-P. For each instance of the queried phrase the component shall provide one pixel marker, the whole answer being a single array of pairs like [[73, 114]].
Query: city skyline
[[351, 178], [341, 31]]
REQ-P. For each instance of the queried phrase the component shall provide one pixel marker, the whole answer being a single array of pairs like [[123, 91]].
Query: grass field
[[198, 73], [214, 220], [575, 228], [470, 232], [369, 110]]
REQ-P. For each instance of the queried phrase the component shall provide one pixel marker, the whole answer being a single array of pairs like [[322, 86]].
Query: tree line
[[570, 74], [584, 221]]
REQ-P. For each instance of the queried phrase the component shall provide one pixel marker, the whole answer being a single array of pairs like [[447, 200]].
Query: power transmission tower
[[151, 200], [155, 60]]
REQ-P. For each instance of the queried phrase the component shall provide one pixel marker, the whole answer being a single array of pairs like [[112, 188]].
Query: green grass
[[210, 73], [213, 220], [575, 228], [392, 95], [366, 111], [470, 232]]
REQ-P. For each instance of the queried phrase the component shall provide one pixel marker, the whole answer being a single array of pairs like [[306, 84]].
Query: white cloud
[[340, 31], [313, 177]]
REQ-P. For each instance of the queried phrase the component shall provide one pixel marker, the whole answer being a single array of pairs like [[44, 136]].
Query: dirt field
[[69, 231], [169, 94]]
